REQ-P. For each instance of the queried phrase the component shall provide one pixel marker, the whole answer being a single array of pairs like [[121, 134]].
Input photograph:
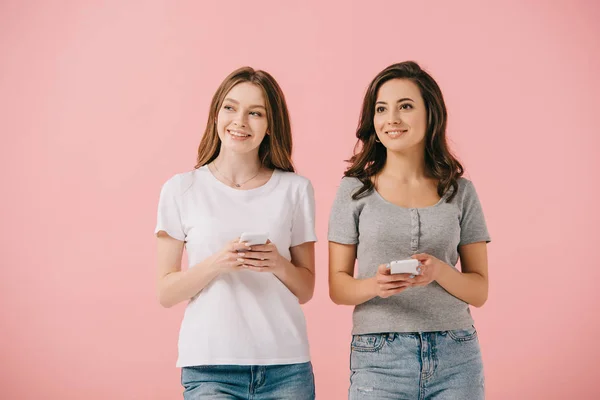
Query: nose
[[240, 119], [394, 118]]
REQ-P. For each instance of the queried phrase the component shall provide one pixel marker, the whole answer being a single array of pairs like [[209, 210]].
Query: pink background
[[102, 101]]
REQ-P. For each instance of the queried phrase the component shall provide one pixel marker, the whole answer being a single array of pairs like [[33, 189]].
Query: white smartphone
[[254, 238], [404, 267]]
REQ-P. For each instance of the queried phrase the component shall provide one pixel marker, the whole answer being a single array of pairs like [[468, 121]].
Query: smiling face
[[400, 118], [242, 119]]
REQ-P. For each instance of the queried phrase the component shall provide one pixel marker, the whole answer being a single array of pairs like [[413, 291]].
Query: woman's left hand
[[262, 258], [429, 269]]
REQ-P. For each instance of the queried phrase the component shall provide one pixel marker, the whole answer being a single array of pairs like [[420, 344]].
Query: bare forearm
[[300, 281], [347, 290], [180, 286], [470, 287]]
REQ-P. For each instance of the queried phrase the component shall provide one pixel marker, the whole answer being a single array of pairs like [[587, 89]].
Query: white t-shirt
[[242, 317]]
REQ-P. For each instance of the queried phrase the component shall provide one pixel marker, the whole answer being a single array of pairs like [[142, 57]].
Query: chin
[[239, 148], [405, 147], [397, 148]]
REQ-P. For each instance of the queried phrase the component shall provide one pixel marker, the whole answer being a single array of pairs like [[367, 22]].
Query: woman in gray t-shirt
[[403, 197]]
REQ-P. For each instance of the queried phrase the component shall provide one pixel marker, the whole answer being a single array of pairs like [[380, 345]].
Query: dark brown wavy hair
[[370, 156], [275, 150]]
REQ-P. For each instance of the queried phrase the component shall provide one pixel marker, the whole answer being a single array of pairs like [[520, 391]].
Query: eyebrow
[[237, 102], [399, 101]]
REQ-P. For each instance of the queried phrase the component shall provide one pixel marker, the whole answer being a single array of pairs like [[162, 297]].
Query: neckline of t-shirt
[[241, 192], [440, 201]]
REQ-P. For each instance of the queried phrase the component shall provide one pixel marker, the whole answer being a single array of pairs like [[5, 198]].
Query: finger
[[254, 263], [421, 281], [253, 268], [400, 277], [389, 293], [398, 290], [422, 257], [383, 269], [235, 265], [232, 257], [251, 255], [393, 278], [263, 247], [393, 286], [237, 246], [422, 277]]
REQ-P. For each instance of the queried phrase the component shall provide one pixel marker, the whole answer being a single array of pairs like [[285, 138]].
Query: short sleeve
[[343, 219], [169, 216], [303, 222], [472, 223]]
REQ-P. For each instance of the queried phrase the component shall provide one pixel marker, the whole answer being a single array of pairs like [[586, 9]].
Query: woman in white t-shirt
[[243, 333]]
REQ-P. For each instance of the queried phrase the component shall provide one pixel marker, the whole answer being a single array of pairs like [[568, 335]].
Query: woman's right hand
[[388, 284], [227, 259]]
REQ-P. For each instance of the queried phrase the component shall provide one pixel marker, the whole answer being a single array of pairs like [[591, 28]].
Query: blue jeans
[[430, 365], [249, 382]]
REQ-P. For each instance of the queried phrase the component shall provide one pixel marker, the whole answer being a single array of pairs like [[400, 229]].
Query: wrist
[[442, 272], [371, 287], [213, 266], [282, 267]]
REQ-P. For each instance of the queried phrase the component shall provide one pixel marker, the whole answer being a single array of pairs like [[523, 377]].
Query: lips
[[396, 133], [237, 134]]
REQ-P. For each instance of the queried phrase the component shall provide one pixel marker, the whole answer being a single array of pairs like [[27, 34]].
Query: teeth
[[238, 134], [395, 133]]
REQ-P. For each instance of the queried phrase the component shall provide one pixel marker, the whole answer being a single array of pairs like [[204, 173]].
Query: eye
[[255, 113], [380, 109], [228, 108], [406, 106]]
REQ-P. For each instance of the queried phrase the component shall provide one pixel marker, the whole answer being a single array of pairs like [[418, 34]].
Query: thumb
[[421, 257], [383, 269]]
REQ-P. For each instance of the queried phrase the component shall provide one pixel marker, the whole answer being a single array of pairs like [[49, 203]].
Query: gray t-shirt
[[386, 232]]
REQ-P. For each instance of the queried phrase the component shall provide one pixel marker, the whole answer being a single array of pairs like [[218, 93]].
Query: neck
[[405, 166], [237, 167]]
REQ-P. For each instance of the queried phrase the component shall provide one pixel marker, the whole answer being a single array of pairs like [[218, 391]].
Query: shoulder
[[467, 195], [294, 180], [464, 184], [465, 187], [177, 184], [348, 185]]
